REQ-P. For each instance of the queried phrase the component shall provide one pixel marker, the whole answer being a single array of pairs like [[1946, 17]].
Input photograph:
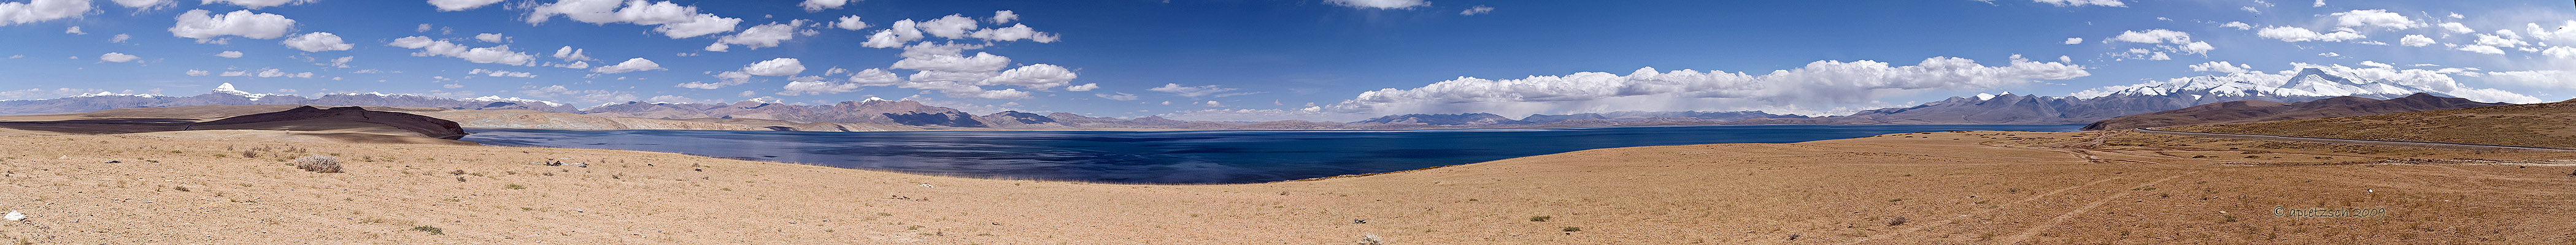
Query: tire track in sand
[[2014, 203], [2061, 218]]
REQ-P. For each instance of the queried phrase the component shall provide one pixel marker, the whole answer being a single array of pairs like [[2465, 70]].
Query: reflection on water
[[1197, 157]]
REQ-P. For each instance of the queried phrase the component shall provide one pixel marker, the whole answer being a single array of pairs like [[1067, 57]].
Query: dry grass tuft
[[318, 164]]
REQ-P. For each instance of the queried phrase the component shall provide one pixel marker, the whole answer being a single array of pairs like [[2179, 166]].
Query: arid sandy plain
[[1981, 187]]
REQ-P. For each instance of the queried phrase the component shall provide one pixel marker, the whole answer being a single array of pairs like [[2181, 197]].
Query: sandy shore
[[1957, 187]]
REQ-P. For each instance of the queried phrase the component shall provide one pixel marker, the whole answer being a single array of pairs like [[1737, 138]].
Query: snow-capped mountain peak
[[497, 98], [2308, 82], [227, 88]]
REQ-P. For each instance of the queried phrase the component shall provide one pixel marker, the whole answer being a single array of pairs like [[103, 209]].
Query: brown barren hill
[[2541, 125], [308, 118], [528, 119], [2245, 111]]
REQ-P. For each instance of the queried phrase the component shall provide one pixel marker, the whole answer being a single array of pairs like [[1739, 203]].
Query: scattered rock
[[114, 161], [559, 162], [1793, 237], [15, 216], [1359, 221]]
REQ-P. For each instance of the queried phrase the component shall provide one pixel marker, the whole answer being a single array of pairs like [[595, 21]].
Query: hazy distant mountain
[[2261, 111], [1645, 116], [1020, 120], [873, 110], [1461, 119], [2090, 106]]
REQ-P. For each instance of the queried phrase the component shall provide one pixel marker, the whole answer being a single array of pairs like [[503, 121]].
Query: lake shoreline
[[1177, 157]]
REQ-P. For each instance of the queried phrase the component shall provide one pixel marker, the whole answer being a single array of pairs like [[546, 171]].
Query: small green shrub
[[1540, 218], [432, 230]]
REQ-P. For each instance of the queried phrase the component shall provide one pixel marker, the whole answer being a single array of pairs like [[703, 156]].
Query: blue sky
[[1267, 60]]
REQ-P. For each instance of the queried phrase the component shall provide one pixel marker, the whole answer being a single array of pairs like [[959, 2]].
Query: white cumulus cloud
[[571, 54], [1117, 96], [229, 54], [317, 42], [2169, 40], [2415, 41], [2482, 49], [820, 5], [896, 35], [2070, 3], [2153, 36], [489, 55], [1477, 10], [953, 26], [2238, 25], [775, 67], [142, 5], [2298, 34], [460, 5], [1004, 16], [256, 4], [1038, 76], [2375, 17], [672, 20], [850, 23], [1380, 4], [499, 73], [1190, 91], [762, 36], [2222, 67], [41, 10], [2456, 27], [1014, 33], [631, 65], [117, 57], [816, 85], [205, 27]]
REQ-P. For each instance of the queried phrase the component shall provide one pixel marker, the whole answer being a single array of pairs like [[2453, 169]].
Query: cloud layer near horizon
[[1814, 88]]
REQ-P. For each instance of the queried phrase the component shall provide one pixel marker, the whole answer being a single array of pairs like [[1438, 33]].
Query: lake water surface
[[1181, 157]]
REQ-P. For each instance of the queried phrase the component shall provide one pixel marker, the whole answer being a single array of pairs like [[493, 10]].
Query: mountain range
[[2245, 111], [880, 114], [2309, 84]]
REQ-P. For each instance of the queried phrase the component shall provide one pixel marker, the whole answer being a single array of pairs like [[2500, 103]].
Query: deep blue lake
[[1181, 157]]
